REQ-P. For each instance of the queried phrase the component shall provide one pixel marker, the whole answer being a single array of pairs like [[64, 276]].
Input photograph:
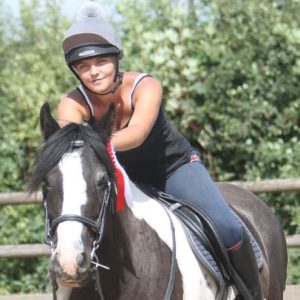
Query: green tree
[[230, 71], [33, 72]]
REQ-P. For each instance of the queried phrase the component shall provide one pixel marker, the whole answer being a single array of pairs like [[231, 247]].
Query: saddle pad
[[208, 261], [203, 255], [191, 220]]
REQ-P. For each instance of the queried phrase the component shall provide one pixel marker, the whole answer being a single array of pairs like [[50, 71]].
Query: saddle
[[204, 240]]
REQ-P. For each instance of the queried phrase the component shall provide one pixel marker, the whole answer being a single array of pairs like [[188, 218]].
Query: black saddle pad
[[205, 257]]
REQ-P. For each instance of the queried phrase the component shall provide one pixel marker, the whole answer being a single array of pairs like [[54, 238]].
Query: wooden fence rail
[[31, 297], [16, 198], [34, 250], [24, 251], [270, 186], [263, 186]]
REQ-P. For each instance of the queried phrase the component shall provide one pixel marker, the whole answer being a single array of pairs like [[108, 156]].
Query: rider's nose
[[94, 70]]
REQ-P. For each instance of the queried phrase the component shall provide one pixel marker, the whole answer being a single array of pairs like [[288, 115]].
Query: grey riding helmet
[[91, 35]]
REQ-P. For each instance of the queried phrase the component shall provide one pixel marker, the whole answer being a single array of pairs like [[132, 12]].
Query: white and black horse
[[100, 252]]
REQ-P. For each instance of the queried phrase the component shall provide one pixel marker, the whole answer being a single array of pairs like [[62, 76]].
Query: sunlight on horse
[[101, 253]]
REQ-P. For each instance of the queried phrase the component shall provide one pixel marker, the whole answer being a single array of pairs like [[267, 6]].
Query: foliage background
[[230, 71]]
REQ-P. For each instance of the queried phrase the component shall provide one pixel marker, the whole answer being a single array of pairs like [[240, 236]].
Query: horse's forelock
[[60, 143]]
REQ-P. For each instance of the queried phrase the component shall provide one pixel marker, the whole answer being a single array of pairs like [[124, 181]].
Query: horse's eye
[[102, 182], [45, 186]]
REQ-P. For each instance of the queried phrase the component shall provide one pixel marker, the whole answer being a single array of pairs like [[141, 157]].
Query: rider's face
[[97, 73]]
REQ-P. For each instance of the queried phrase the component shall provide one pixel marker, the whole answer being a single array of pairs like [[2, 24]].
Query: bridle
[[96, 226]]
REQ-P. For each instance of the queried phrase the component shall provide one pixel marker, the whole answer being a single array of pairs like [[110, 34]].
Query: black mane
[[60, 143]]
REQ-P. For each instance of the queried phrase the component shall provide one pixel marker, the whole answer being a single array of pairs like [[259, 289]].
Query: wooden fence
[[34, 250]]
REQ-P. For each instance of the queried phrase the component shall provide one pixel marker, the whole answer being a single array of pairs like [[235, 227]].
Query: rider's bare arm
[[147, 101], [69, 111]]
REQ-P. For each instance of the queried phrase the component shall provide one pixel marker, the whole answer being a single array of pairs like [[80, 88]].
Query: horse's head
[[78, 180]]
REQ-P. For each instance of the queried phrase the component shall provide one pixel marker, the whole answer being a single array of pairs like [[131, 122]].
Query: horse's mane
[[60, 143]]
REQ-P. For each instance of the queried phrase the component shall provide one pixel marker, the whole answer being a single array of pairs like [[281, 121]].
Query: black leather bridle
[[96, 226]]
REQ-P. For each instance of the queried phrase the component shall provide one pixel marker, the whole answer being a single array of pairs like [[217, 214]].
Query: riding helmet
[[90, 35]]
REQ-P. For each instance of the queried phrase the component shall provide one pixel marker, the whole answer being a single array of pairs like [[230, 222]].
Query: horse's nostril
[[81, 259]]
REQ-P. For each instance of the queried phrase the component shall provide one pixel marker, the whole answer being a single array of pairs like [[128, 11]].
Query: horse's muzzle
[[71, 270]]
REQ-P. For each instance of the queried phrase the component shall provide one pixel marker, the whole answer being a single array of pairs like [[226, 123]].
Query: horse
[[105, 247]]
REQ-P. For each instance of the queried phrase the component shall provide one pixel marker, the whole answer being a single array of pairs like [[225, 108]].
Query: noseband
[[96, 226]]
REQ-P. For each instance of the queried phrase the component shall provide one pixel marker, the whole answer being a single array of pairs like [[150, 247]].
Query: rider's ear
[[105, 125], [47, 122]]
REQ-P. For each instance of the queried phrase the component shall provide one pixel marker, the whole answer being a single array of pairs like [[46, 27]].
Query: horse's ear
[[105, 125], [47, 122]]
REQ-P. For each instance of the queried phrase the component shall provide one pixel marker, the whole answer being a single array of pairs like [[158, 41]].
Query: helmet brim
[[84, 51]]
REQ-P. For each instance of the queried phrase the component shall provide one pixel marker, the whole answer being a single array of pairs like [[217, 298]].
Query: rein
[[171, 282]]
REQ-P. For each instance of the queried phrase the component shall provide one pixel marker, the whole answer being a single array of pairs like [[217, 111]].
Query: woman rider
[[150, 149]]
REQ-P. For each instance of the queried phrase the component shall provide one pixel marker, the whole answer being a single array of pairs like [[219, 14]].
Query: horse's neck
[[133, 194], [149, 212], [145, 233]]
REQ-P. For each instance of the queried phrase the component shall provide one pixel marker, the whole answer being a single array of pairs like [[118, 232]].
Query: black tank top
[[163, 151]]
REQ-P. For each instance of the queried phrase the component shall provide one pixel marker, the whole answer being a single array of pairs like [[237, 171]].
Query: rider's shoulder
[[130, 78], [73, 97], [73, 100]]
